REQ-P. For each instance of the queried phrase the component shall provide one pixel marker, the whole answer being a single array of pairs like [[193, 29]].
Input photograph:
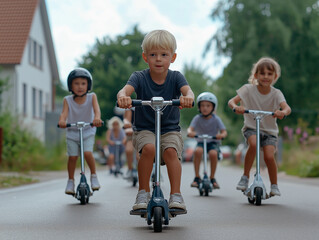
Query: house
[[27, 59]]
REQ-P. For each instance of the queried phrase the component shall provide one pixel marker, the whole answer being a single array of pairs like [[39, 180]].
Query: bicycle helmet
[[80, 72], [209, 97]]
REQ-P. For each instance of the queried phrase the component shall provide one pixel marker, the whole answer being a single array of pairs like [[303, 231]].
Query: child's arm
[[124, 96], [64, 114], [127, 119], [191, 132], [233, 104], [285, 111], [97, 112], [222, 134], [187, 97]]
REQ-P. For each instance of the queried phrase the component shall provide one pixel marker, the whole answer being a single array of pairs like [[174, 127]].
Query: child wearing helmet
[[80, 106], [207, 122]]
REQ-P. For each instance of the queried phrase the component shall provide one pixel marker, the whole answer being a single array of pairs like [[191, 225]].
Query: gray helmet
[[209, 97], [80, 72]]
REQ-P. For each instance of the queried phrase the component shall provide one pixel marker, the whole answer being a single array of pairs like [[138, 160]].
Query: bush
[[22, 151]]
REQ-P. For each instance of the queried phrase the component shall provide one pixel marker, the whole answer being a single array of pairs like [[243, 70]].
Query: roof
[[16, 17], [15, 22]]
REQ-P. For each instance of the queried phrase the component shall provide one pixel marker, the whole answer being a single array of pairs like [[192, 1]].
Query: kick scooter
[[205, 186], [256, 192], [83, 191], [157, 211], [117, 158]]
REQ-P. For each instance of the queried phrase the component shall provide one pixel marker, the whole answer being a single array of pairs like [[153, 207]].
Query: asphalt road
[[43, 211]]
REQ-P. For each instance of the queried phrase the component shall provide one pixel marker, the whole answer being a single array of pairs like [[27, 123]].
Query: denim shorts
[[73, 146], [168, 140], [210, 146], [265, 138]]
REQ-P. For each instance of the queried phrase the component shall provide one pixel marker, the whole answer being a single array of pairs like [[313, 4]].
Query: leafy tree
[[111, 62], [285, 30]]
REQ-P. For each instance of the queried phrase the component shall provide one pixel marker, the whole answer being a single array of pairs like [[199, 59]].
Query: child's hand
[[97, 122], [186, 102], [124, 102], [191, 134], [239, 110], [129, 131], [279, 114], [62, 124]]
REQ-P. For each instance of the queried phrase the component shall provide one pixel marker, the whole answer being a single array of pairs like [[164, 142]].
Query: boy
[[207, 123], [80, 106], [158, 52]]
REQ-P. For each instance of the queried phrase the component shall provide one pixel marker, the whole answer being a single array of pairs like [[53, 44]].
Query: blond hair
[[159, 39], [112, 120], [264, 62]]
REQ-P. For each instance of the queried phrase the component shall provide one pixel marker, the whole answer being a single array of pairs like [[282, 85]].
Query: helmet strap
[[75, 96]]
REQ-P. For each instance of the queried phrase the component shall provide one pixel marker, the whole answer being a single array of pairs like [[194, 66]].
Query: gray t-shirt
[[80, 113], [146, 88], [252, 99], [211, 126]]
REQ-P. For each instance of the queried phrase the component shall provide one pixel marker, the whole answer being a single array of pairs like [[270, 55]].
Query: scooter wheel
[[82, 197], [157, 223], [134, 181], [206, 192], [201, 192], [258, 193]]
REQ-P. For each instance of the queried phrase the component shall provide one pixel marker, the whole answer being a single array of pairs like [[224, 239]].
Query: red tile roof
[[15, 22]]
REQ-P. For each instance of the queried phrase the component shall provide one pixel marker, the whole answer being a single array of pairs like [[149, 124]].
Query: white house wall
[[33, 77]]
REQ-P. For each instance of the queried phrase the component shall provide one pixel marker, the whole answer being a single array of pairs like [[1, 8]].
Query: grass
[[13, 181]]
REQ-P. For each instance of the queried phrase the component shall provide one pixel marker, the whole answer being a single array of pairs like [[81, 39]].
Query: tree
[[285, 30], [111, 62]]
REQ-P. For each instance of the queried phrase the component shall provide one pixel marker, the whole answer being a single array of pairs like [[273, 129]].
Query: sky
[[77, 24]]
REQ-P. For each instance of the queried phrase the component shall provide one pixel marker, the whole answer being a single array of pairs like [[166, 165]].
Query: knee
[[170, 153], [88, 155], [213, 155], [198, 152], [149, 150]]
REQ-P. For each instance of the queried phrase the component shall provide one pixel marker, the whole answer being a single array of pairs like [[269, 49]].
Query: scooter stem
[[258, 146], [82, 154], [157, 144], [205, 155]]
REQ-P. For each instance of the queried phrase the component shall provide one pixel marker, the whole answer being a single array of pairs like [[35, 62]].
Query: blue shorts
[[210, 146]]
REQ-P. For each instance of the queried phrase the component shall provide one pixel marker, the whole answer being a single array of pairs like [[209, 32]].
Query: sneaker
[[243, 183], [95, 185], [176, 201], [274, 190], [142, 199], [70, 187], [196, 182], [128, 174], [215, 184]]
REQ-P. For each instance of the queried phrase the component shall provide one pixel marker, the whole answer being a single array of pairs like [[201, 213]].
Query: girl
[[260, 94], [115, 133]]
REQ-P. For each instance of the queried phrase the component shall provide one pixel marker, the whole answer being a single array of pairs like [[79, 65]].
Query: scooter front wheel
[[82, 196], [258, 193], [157, 223]]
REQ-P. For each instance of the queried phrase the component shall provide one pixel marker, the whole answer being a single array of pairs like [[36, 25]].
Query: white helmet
[[209, 97]]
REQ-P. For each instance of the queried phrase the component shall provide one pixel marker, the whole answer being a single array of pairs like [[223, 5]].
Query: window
[[24, 98], [35, 53], [40, 104], [34, 102]]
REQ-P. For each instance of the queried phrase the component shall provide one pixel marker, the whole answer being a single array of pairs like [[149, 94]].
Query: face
[[79, 86], [116, 125], [206, 107], [266, 77], [159, 60]]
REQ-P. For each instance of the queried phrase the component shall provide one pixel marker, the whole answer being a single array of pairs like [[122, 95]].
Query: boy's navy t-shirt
[[146, 88]]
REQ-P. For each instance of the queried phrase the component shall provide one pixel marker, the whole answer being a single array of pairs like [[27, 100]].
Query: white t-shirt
[[252, 99]]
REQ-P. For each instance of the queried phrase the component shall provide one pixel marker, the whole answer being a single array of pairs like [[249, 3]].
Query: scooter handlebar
[[75, 124]]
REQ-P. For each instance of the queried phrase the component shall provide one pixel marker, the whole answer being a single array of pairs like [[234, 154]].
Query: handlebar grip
[[176, 102], [136, 103], [246, 111]]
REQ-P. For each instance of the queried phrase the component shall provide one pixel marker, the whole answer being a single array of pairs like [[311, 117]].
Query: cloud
[[77, 24]]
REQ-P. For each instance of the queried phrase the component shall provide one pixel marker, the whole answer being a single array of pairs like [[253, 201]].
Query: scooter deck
[[172, 211]]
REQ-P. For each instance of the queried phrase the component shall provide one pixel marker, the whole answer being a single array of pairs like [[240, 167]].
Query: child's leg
[[110, 161], [71, 166], [90, 161], [129, 151], [197, 159], [145, 166], [174, 169], [250, 154], [213, 156], [269, 158]]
